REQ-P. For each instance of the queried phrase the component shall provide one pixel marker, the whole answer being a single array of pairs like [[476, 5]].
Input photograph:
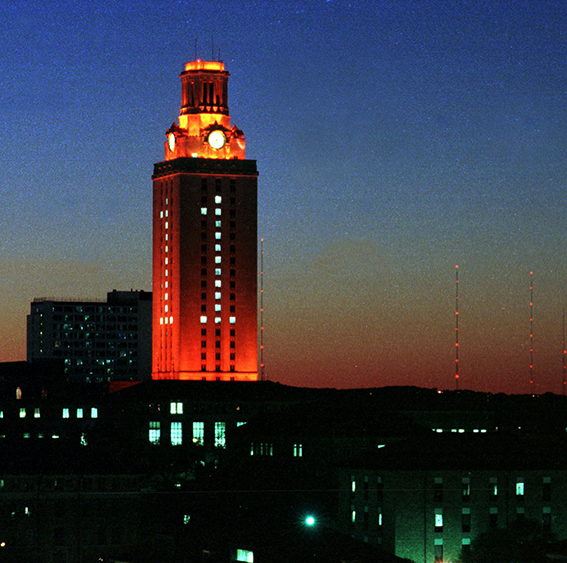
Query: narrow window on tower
[[217, 236], [203, 320], [217, 224], [218, 199], [217, 248], [217, 211], [217, 272], [203, 210], [217, 295], [217, 283]]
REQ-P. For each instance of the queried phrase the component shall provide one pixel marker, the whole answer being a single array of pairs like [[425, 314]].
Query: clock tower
[[205, 239]]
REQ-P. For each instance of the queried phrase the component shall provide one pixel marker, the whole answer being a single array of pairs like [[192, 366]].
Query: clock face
[[171, 141], [217, 139]]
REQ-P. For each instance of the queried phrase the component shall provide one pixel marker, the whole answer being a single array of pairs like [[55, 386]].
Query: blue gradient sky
[[394, 140]]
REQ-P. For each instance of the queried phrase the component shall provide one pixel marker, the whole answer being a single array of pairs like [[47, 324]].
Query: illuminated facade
[[205, 240]]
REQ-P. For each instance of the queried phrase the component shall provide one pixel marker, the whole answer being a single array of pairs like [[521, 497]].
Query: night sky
[[394, 139]]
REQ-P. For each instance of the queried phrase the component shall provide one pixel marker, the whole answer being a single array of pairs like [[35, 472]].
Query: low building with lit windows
[[97, 340], [427, 500]]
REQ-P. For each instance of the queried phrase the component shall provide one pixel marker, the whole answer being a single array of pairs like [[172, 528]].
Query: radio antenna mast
[[457, 327], [531, 333], [564, 357]]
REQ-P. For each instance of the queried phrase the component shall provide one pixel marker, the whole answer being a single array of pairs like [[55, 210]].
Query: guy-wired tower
[[205, 239]]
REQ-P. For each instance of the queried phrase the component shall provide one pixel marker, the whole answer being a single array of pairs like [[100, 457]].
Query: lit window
[[166, 296], [353, 516], [217, 236], [353, 484], [166, 248], [166, 309], [520, 486], [36, 413], [203, 210], [217, 283], [94, 412], [220, 434], [161, 214], [218, 224], [438, 520], [217, 211], [217, 307], [232, 320], [22, 413], [217, 295], [217, 271], [170, 320], [217, 320], [166, 225], [166, 260], [161, 320], [176, 434], [155, 432], [166, 212], [65, 413], [218, 199], [79, 413], [199, 433], [166, 320], [244, 554], [176, 408], [203, 320], [297, 450], [217, 248], [217, 259], [166, 273]]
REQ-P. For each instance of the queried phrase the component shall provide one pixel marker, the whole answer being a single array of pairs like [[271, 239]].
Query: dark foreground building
[[188, 471]]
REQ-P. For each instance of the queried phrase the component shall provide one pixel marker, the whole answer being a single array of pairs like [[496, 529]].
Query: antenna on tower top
[[531, 334], [457, 327], [212, 48]]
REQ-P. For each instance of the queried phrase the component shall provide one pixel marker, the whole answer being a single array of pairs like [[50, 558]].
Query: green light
[[309, 521]]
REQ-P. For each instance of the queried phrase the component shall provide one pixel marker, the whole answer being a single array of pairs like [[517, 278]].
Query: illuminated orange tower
[[205, 239]]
